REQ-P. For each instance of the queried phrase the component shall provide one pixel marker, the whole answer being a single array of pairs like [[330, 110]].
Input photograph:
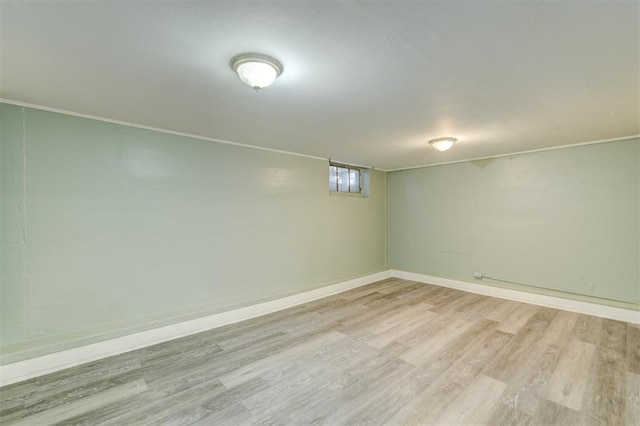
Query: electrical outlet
[[477, 275]]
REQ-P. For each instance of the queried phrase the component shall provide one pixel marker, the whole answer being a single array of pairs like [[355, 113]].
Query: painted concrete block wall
[[109, 229], [565, 219]]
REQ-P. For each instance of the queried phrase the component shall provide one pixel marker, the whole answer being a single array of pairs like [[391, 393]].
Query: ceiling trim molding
[[156, 129], [531, 151], [297, 154]]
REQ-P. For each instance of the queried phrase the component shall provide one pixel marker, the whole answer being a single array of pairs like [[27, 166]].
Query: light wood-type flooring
[[394, 352]]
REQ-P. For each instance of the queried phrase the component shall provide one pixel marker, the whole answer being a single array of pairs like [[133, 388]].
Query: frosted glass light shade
[[256, 70], [442, 144], [257, 74]]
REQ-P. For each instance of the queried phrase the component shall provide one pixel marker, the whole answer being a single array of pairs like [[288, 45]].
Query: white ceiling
[[364, 82]]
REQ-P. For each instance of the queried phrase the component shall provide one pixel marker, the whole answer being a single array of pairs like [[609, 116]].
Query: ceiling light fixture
[[256, 70], [442, 144]]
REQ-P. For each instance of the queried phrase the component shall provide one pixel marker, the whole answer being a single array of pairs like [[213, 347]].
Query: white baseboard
[[34, 367], [610, 312]]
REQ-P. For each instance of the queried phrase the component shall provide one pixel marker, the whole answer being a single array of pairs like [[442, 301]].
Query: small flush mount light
[[442, 144], [255, 69]]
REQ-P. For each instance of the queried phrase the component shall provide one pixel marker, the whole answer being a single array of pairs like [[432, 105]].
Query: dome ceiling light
[[256, 70], [442, 144]]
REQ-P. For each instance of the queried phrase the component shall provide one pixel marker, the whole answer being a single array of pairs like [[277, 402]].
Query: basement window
[[344, 178]]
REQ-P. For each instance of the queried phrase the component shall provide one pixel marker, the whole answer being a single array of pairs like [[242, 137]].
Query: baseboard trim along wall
[[39, 366], [603, 311], [34, 367]]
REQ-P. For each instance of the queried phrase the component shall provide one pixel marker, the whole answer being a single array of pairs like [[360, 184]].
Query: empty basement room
[[319, 212]]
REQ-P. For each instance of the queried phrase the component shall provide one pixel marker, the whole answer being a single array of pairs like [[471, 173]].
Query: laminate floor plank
[[68, 379], [517, 318], [278, 360], [60, 388], [470, 302], [606, 394], [237, 414], [541, 320], [399, 288], [431, 348], [413, 290], [394, 352], [303, 321], [568, 383], [427, 406], [384, 307], [588, 328], [444, 299], [561, 328], [476, 403], [67, 411], [162, 409], [61, 397], [389, 321], [527, 383], [513, 355], [632, 403], [401, 329], [550, 413], [378, 287], [384, 405], [106, 413], [504, 309], [504, 415], [351, 386], [633, 348], [359, 394], [480, 310], [162, 374], [429, 326], [289, 386], [467, 342], [456, 303]]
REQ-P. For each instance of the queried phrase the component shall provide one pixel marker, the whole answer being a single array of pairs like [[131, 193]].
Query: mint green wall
[[566, 219], [108, 229]]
